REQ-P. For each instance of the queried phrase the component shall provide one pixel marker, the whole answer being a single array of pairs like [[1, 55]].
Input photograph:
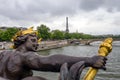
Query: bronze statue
[[18, 64]]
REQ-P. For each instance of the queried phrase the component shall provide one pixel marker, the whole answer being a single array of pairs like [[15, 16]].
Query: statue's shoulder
[[31, 54], [5, 54], [10, 52]]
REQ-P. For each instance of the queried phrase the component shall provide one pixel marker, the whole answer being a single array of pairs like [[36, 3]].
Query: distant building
[[5, 27]]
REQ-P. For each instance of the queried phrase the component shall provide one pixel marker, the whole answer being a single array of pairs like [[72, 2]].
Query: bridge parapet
[[86, 41]]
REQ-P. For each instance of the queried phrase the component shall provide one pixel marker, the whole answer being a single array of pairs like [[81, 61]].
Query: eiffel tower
[[67, 30]]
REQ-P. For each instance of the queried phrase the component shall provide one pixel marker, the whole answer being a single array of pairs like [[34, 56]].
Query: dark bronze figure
[[18, 64]]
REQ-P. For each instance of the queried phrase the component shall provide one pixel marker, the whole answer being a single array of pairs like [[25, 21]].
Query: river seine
[[113, 62]]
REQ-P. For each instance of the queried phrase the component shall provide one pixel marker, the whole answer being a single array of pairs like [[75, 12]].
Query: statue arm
[[56, 61], [53, 62]]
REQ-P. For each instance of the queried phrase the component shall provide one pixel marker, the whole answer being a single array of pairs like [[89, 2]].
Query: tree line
[[45, 33]]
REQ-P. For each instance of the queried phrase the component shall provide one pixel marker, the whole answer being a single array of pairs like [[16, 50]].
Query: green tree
[[8, 34], [75, 35], [67, 36], [43, 32], [57, 34], [87, 36], [1, 34]]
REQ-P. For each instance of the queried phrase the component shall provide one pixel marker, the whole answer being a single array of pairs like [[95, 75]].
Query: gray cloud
[[25, 9], [27, 12], [110, 5], [89, 5]]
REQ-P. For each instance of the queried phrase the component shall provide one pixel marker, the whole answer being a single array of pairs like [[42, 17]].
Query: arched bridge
[[87, 41]]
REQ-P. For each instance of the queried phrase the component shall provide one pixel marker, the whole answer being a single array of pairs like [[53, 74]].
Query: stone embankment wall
[[5, 45], [44, 45], [52, 44]]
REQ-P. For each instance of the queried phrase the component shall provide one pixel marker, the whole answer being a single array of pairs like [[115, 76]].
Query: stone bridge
[[88, 41]]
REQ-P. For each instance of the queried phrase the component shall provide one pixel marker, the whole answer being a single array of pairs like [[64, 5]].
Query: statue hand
[[98, 62]]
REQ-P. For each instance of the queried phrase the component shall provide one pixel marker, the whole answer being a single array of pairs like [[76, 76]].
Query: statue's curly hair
[[21, 36], [20, 40]]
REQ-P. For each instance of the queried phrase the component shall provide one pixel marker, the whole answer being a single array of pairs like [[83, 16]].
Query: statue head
[[27, 38]]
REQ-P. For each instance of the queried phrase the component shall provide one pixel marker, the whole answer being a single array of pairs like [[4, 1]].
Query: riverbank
[[44, 45]]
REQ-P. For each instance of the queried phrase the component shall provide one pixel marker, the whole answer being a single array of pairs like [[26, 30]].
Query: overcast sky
[[86, 16]]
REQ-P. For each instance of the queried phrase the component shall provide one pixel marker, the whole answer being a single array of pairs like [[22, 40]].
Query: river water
[[113, 62]]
